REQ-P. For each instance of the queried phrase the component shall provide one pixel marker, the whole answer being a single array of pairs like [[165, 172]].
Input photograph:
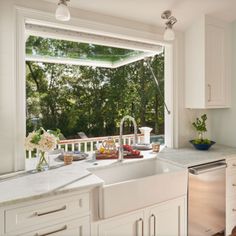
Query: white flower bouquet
[[43, 141]]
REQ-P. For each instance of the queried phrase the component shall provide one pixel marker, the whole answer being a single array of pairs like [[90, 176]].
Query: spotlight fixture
[[169, 34], [62, 11]]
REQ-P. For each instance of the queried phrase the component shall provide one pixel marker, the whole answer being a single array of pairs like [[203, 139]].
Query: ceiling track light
[[169, 34], [62, 11]]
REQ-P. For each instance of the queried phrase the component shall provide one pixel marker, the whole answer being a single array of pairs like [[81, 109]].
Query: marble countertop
[[187, 157], [64, 179], [77, 176], [34, 186]]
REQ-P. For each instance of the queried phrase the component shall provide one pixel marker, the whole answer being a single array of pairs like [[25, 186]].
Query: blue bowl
[[202, 147]]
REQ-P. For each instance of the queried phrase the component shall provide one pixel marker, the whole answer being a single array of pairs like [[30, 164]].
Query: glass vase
[[43, 164]]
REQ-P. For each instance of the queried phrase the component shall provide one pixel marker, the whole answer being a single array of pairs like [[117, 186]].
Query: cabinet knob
[[233, 209], [234, 185]]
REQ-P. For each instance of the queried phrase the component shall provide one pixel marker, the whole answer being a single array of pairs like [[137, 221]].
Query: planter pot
[[202, 147]]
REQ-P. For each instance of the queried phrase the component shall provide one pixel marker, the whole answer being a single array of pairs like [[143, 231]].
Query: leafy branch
[[200, 124]]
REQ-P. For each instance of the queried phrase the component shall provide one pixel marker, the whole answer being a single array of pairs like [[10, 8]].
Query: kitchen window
[[59, 33], [86, 88]]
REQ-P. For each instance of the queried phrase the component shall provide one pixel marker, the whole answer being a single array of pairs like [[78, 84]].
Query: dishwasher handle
[[197, 170]]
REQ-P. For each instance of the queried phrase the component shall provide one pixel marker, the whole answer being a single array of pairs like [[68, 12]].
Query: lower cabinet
[[77, 227], [60, 215], [168, 219], [230, 195], [164, 219], [127, 225]]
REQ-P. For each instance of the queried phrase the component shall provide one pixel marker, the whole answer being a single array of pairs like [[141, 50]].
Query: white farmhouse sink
[[131, 186]]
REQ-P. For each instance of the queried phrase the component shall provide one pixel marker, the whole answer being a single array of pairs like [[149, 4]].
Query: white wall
[[7, 88], [223, 121], [10, 138], [184, 118]]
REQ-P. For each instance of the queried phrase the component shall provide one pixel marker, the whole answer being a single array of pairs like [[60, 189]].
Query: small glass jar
[[68, 158], [156, 147]]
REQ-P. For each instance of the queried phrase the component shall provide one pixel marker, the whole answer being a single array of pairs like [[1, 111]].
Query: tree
[[89, 99]]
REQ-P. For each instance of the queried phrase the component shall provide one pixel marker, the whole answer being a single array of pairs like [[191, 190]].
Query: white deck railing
[[87, 144]]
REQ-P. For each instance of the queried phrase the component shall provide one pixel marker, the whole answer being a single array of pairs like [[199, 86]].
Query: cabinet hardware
[[142, 224], [53, 232], [234, 185], [233, 209], [209, 92], [49, 212], [153, 233]]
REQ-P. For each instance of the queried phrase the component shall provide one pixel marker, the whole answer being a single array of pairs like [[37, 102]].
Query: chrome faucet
[[121, 149]]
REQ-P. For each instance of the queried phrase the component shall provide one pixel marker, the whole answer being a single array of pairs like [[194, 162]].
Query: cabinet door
[[128, 225], [168, 219], [78, 227], [216, 80]]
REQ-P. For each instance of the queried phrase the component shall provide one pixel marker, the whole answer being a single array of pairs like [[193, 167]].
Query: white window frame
[[147, 49], [24, 15]]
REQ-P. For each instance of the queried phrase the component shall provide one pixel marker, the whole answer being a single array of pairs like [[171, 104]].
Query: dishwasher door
[[206, 199]]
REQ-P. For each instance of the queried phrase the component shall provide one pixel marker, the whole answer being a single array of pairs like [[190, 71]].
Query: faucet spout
[[121, 149]]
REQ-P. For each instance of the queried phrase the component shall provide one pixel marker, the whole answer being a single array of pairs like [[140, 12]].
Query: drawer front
[[78, 227], [230, 215], [231, 185], [43, 214], [231, 165]]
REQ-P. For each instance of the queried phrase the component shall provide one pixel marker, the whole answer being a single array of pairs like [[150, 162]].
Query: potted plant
[[200, 142]]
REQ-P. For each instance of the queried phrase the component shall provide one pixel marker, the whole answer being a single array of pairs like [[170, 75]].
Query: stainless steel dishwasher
[[206, 199]]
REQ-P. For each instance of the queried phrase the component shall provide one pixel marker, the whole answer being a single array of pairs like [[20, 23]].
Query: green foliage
[[57, 133], [37, 137], [201, 141], [64, 49], [39, 132], [200, 124], [89, 99]]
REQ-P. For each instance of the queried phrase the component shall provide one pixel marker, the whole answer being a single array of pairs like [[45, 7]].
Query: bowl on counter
[[202, 146]]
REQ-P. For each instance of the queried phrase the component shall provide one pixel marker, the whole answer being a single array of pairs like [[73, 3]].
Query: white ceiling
[[149, 11]]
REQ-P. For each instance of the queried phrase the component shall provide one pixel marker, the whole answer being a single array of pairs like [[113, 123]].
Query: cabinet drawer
[[230, 215], [78, 227], [231, 185], [46, 213], [231, 165]]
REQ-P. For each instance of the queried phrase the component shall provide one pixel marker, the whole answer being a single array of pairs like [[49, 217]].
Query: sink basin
[[131, 186]]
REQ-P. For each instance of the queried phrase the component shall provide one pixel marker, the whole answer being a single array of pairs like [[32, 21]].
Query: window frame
[[24, 15]]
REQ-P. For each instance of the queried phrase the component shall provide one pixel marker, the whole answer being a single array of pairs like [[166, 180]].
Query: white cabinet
[[65, 214], [164, 219], [207, 64], [44, 212], [168, 219], [126, 225], [230, 195], [78, 227]]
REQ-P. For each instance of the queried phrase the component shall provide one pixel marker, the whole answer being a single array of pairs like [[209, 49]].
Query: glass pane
[[53, 48]]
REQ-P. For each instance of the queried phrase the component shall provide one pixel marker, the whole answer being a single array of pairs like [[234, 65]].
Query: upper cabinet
[[207, 64]]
